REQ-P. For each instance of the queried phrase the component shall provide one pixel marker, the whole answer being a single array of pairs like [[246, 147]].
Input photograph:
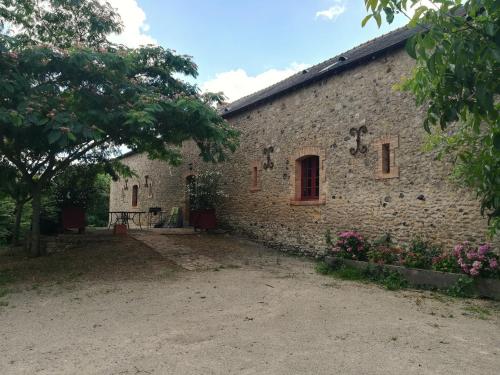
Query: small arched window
[[309, 187], [135, 193], [307, 177]]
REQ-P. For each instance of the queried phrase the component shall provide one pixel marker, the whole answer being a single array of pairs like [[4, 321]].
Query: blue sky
[[242, 46]]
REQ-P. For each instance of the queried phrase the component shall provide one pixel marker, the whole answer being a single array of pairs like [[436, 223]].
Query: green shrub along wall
[[7, 219]]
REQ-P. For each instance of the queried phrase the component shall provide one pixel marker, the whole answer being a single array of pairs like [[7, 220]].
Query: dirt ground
[[216, 304]]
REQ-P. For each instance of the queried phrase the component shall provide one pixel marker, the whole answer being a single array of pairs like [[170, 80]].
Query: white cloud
[[428, 3], [237, 83], [135, 28], [333, 12]]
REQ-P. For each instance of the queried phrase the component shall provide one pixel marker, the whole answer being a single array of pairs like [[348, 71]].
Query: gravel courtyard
[[216, 304]]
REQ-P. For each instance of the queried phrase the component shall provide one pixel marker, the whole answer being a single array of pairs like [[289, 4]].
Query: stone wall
[[166, 183], [415, 198]]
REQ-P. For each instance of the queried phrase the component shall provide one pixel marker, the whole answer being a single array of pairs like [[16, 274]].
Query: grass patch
[[4, 292], [349, 273], [394, 281], [464, 287], [389, 279], [7, 276], [478, 311]]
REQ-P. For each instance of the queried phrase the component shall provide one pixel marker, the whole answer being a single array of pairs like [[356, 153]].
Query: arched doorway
[[190, 185]]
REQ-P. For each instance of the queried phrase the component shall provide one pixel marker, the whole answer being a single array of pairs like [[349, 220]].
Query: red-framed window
[[310, 178], [135, 193], [255, 177]]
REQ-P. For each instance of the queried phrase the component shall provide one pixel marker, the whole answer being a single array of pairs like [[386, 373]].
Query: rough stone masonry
[[394, 187]]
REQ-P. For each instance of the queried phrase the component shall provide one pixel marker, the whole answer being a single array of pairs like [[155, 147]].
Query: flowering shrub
[[351, 245], [445, 262], [420, 254], [476, 261], [383, 254]]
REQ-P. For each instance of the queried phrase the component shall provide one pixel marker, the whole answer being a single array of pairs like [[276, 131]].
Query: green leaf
[[428, 41], [416, 17], [54, 136], [431, 64], [366, 19], [410, 47], [496, 141], [490, 29], [389, 14], [378, 19]]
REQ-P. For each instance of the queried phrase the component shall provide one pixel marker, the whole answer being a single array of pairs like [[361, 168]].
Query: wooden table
[[124, 217]]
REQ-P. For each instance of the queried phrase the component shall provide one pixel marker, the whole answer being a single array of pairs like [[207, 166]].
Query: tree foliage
[[457, 79], [68, 95]]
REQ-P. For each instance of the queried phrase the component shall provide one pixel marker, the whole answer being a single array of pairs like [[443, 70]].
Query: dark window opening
[[386, 158], [255, 177], [310, 178], [135, 193]]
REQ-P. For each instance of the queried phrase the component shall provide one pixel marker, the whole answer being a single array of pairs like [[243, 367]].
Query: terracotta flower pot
[[204, 219], [73, 218]]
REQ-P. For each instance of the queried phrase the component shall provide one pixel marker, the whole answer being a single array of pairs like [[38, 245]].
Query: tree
[[457, 79], [68, 95]]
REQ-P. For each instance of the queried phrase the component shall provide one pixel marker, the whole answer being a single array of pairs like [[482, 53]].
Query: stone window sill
[[317, 202], [393, 174]]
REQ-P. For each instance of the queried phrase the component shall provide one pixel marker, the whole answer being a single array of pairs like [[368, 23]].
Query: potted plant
[[204, 194], [73, 192]]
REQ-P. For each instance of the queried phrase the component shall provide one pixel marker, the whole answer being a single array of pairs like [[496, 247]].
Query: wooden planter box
[[489, 288]]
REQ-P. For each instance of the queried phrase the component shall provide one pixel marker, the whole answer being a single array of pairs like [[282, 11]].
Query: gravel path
[[234, 307]]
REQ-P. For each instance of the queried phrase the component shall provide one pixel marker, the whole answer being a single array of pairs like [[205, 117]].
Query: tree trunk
[[17, 224], [36, 205]]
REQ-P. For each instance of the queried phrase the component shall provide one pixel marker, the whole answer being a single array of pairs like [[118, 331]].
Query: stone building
[[332, 147]]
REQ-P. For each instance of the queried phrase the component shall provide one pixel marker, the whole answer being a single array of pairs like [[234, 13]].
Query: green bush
[[446, 263], [389, 279], [420, 254], [6, 220], [464, 287], [394, 281]]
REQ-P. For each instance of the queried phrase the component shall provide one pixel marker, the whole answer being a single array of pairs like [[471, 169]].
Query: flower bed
[[428, 279], [421, 263]]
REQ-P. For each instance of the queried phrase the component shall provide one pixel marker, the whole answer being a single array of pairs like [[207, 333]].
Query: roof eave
[[340, 67]]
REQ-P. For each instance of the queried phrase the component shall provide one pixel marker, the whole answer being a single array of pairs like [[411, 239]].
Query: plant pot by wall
[[73, 218], [203, 219], [120, 229]]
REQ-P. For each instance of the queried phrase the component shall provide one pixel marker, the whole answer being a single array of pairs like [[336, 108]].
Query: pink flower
[[474, 272], [493, 263], [477, 265], [483, 249], [456, 251]]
